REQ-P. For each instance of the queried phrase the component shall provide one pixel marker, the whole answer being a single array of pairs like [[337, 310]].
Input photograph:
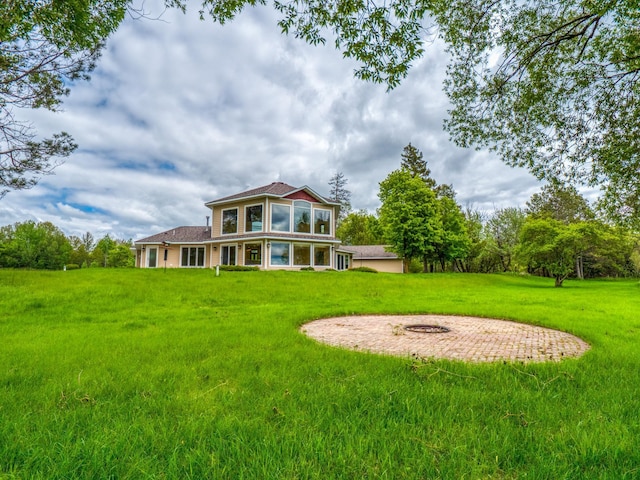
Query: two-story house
[[276, 226]]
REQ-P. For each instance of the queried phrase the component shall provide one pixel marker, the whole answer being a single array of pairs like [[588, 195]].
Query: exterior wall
[[392, 265], [216, 216], [174, 254]]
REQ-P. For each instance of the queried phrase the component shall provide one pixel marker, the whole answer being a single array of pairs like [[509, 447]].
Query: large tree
[[33, 245], [409, 215], [551, 85], [412, 159], [44, 46]]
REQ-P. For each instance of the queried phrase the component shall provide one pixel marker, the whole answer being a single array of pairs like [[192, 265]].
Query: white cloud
[[181, 111]]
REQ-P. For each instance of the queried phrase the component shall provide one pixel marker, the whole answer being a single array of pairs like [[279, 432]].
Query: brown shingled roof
[[275, 188], [180, 235], [361, 252]]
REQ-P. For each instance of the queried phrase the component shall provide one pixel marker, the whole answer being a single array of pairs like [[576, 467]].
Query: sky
[[181, 111]]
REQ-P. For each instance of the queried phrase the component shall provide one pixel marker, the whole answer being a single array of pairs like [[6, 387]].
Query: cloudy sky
[[182, 111]]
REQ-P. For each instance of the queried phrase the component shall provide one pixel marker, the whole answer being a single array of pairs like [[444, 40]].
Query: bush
[[308, 269], [72, 266], [237, 268], [364, 269]]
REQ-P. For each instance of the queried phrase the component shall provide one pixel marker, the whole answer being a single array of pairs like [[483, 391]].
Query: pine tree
[[338, 193], [412, 160]]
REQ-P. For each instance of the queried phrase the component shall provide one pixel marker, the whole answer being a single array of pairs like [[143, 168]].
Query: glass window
[[253, 254], [153, 257], [321, 255], [322, 222], [192, 257], [229, 255], [253, 218], [302, 255], [280, 218], [230, 221], [301, 216], [279, 253]]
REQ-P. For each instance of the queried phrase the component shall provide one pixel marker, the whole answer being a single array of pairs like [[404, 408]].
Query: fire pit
[[421, 328]]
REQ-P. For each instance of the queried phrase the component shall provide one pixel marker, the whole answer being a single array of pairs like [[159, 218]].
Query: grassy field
[[181, 374]]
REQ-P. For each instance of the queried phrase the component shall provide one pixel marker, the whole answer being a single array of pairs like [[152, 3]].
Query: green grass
[[181, 374]]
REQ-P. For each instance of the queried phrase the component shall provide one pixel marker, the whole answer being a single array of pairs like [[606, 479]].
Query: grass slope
[[181, 374]]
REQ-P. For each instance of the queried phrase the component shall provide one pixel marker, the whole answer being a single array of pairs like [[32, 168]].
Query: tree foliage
[[360, 228], [560, 202], [44, 46], [412, 159], [408, 215], [33, 245]]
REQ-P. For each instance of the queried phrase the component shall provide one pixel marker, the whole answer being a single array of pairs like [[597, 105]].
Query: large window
[[321, 255], [322, 222], [302, 255], [192, 257], [253, 254], [279, 253], [228, 255], [302, 216], [253, 218], [230, 221], [280, 218]]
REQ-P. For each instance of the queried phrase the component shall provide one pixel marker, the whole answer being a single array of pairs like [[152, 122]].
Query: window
[[279, 253], [302, 255], [253, 218], [229, 255], [321, 255], [192, 257], [152, 258], [253, 254], [301, 216], [280, 218], [230, 221], [322, 222]]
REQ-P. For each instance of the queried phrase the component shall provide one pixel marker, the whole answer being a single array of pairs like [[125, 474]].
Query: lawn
[[181, 374]]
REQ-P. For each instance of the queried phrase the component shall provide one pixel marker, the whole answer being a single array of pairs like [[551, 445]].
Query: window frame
[[246, 256], [300, 205], [195, 255], [272, 248], [222, 221], [330, 212], [246, 217], [283, 205]]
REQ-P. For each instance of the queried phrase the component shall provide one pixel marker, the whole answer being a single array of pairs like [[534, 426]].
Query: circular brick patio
[[469, 338]]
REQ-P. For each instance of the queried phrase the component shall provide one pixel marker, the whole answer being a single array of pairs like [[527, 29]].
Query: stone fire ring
[[468, 339]]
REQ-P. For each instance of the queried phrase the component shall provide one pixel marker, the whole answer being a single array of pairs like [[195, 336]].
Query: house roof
[[180, 235], [275, 189], [370, 252]]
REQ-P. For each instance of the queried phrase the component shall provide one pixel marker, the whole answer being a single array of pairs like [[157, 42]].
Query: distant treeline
[[43, 246]]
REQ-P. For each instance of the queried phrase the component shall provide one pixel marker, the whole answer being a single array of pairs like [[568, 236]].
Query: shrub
[[364, 269], [308, 269], [237, 268], [72, 266]]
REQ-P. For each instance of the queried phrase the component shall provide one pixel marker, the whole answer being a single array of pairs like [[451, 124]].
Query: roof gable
[[275, 189]]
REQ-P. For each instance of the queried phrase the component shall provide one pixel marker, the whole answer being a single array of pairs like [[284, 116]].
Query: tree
[[82, 248], [550, 245], [110, 252], [34, 245], [43, 47], [408, 215], [360, 228], [563, 97], [412, 160], [503, 233], [560, 202], [551, 85], [338, 193], [453, 243]]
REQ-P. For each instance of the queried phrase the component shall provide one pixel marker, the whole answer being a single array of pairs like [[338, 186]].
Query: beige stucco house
[[275, 226]]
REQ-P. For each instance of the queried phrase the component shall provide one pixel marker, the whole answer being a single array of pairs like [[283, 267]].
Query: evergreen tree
[[338, 193], [413, 161]]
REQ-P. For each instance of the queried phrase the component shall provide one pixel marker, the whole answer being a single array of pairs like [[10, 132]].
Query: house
[[275, 226], [376, 257]]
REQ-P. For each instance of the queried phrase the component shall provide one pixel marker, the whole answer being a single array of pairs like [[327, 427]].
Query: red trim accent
[[302, 195]]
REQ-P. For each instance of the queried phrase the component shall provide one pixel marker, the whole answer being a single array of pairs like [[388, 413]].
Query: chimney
[[207, 221]]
